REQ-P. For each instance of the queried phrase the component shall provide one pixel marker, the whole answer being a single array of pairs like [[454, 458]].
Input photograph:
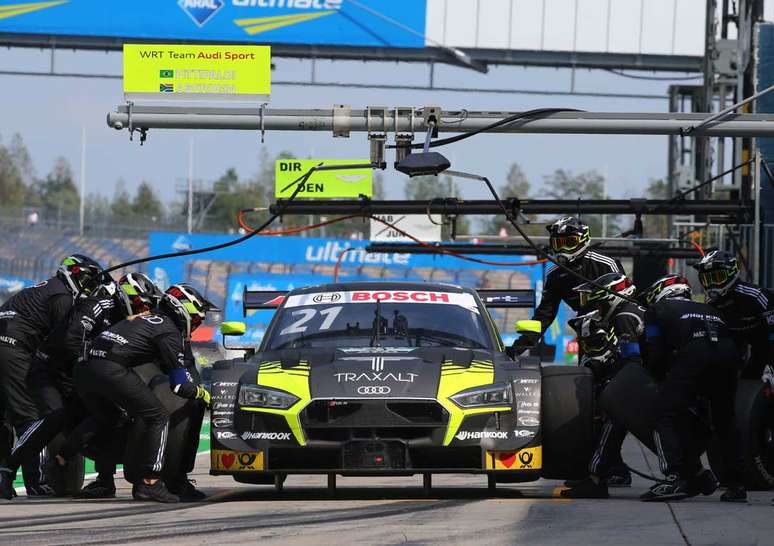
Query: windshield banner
[[386, 296]]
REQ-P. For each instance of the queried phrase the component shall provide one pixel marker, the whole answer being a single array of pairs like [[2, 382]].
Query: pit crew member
[[623, 320], [690, 346], [134, 294], [569, 239], [27, 320], [106, 379], [747, 309]]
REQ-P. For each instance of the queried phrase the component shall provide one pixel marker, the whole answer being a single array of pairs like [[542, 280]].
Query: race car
[[394, 378]]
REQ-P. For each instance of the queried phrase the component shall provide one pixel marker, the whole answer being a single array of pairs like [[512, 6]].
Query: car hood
[[381, 372]]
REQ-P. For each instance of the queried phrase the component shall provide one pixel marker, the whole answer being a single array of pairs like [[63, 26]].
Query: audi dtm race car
[[394, 378]]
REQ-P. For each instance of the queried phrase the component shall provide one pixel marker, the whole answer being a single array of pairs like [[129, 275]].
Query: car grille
[[342, 420]]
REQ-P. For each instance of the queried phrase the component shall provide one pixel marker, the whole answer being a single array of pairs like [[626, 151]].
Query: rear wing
[[262, 299], [493, 299], [507, 299]]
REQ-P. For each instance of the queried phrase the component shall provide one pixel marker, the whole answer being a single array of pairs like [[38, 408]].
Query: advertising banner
[[197, 72], [328, 184], [374, 23]]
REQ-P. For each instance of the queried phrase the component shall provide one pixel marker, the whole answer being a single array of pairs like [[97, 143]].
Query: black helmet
[[138, 293], [593, 296], [718, 273], [81, 274], [671, 286], [569, 238], [598, 346], [187, 305]]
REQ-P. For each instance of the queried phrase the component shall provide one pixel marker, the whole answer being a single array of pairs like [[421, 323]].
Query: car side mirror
[[235, 328], [528, 326]]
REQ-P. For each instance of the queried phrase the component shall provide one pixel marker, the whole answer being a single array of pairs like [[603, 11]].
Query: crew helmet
[[598, 345], [671, 286], [80, 273], [187, 306], [718, 273], [138, 293], [569, 238], [605, 293]]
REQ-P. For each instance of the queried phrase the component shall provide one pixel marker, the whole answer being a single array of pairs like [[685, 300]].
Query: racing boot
[[186, 490], [671, 489], [40, 490], [703, 482], [590, 488], [734, 493], [153, 492], [619, 477], [7, 490], [101, 488]]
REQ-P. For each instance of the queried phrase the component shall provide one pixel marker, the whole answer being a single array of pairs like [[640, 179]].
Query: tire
[[755, 424], [567, 401], [179, 411], [65, 481]]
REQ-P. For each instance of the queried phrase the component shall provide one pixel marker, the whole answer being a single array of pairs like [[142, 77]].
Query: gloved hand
[[521, 345], [203, 395], [768, 375]]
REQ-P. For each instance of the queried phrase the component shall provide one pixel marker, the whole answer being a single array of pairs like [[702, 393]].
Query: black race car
[[394, 378]]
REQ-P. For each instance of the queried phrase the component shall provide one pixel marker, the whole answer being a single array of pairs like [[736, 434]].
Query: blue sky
[[49, 113]]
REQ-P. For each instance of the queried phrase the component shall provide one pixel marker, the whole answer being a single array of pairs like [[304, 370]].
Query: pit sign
[[323, 184], [193, 72], [418, 226]]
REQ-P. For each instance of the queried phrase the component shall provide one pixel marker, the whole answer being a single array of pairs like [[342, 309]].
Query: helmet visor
[[718, 277], [565, 242]]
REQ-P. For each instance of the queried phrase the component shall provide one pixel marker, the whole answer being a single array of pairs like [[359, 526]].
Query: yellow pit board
[[323, 184], [196, 72]]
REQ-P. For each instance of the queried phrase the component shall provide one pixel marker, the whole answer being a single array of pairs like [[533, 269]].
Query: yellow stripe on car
[[294, 380], [456, 378]]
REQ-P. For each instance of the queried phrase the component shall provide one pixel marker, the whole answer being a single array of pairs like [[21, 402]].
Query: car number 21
[[300, 325]]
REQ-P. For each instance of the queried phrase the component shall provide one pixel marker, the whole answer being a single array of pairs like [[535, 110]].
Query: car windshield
[[391, 318]]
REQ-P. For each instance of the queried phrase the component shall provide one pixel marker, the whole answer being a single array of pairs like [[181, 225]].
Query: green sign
[[323, 184]]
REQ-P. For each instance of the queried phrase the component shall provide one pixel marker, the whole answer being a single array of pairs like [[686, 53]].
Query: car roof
[[381, 285]]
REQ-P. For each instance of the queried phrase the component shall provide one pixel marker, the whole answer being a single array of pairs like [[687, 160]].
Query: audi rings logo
[[371, 389], [327, 298]]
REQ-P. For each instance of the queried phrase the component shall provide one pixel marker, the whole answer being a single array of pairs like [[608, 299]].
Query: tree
[[656, 225], [58, 194], [516, 185], [146, 204], [589, 185], [121, 205], [12, 188]]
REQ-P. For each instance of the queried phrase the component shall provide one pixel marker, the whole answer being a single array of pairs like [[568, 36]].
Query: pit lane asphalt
[[391, 511]]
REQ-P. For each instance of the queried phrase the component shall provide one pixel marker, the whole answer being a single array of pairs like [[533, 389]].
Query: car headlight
[[262, 397], [490, 395]]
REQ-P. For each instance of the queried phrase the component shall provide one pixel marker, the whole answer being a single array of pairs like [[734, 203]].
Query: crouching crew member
[[27, 320], [106, 380], [610, 320], [134, 294], [690, 346], [569, 240]]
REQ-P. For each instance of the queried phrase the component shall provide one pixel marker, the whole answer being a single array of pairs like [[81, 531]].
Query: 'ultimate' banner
[[378, 23]]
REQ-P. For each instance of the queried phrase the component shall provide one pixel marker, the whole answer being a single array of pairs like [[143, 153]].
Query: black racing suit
[[68, 345], [748, 310], [106, 380], [559, 286], [691, 347], [26, 321], [628, 322]]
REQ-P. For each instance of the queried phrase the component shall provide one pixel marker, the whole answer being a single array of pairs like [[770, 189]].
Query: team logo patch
[[236, 461], [530, 458]]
